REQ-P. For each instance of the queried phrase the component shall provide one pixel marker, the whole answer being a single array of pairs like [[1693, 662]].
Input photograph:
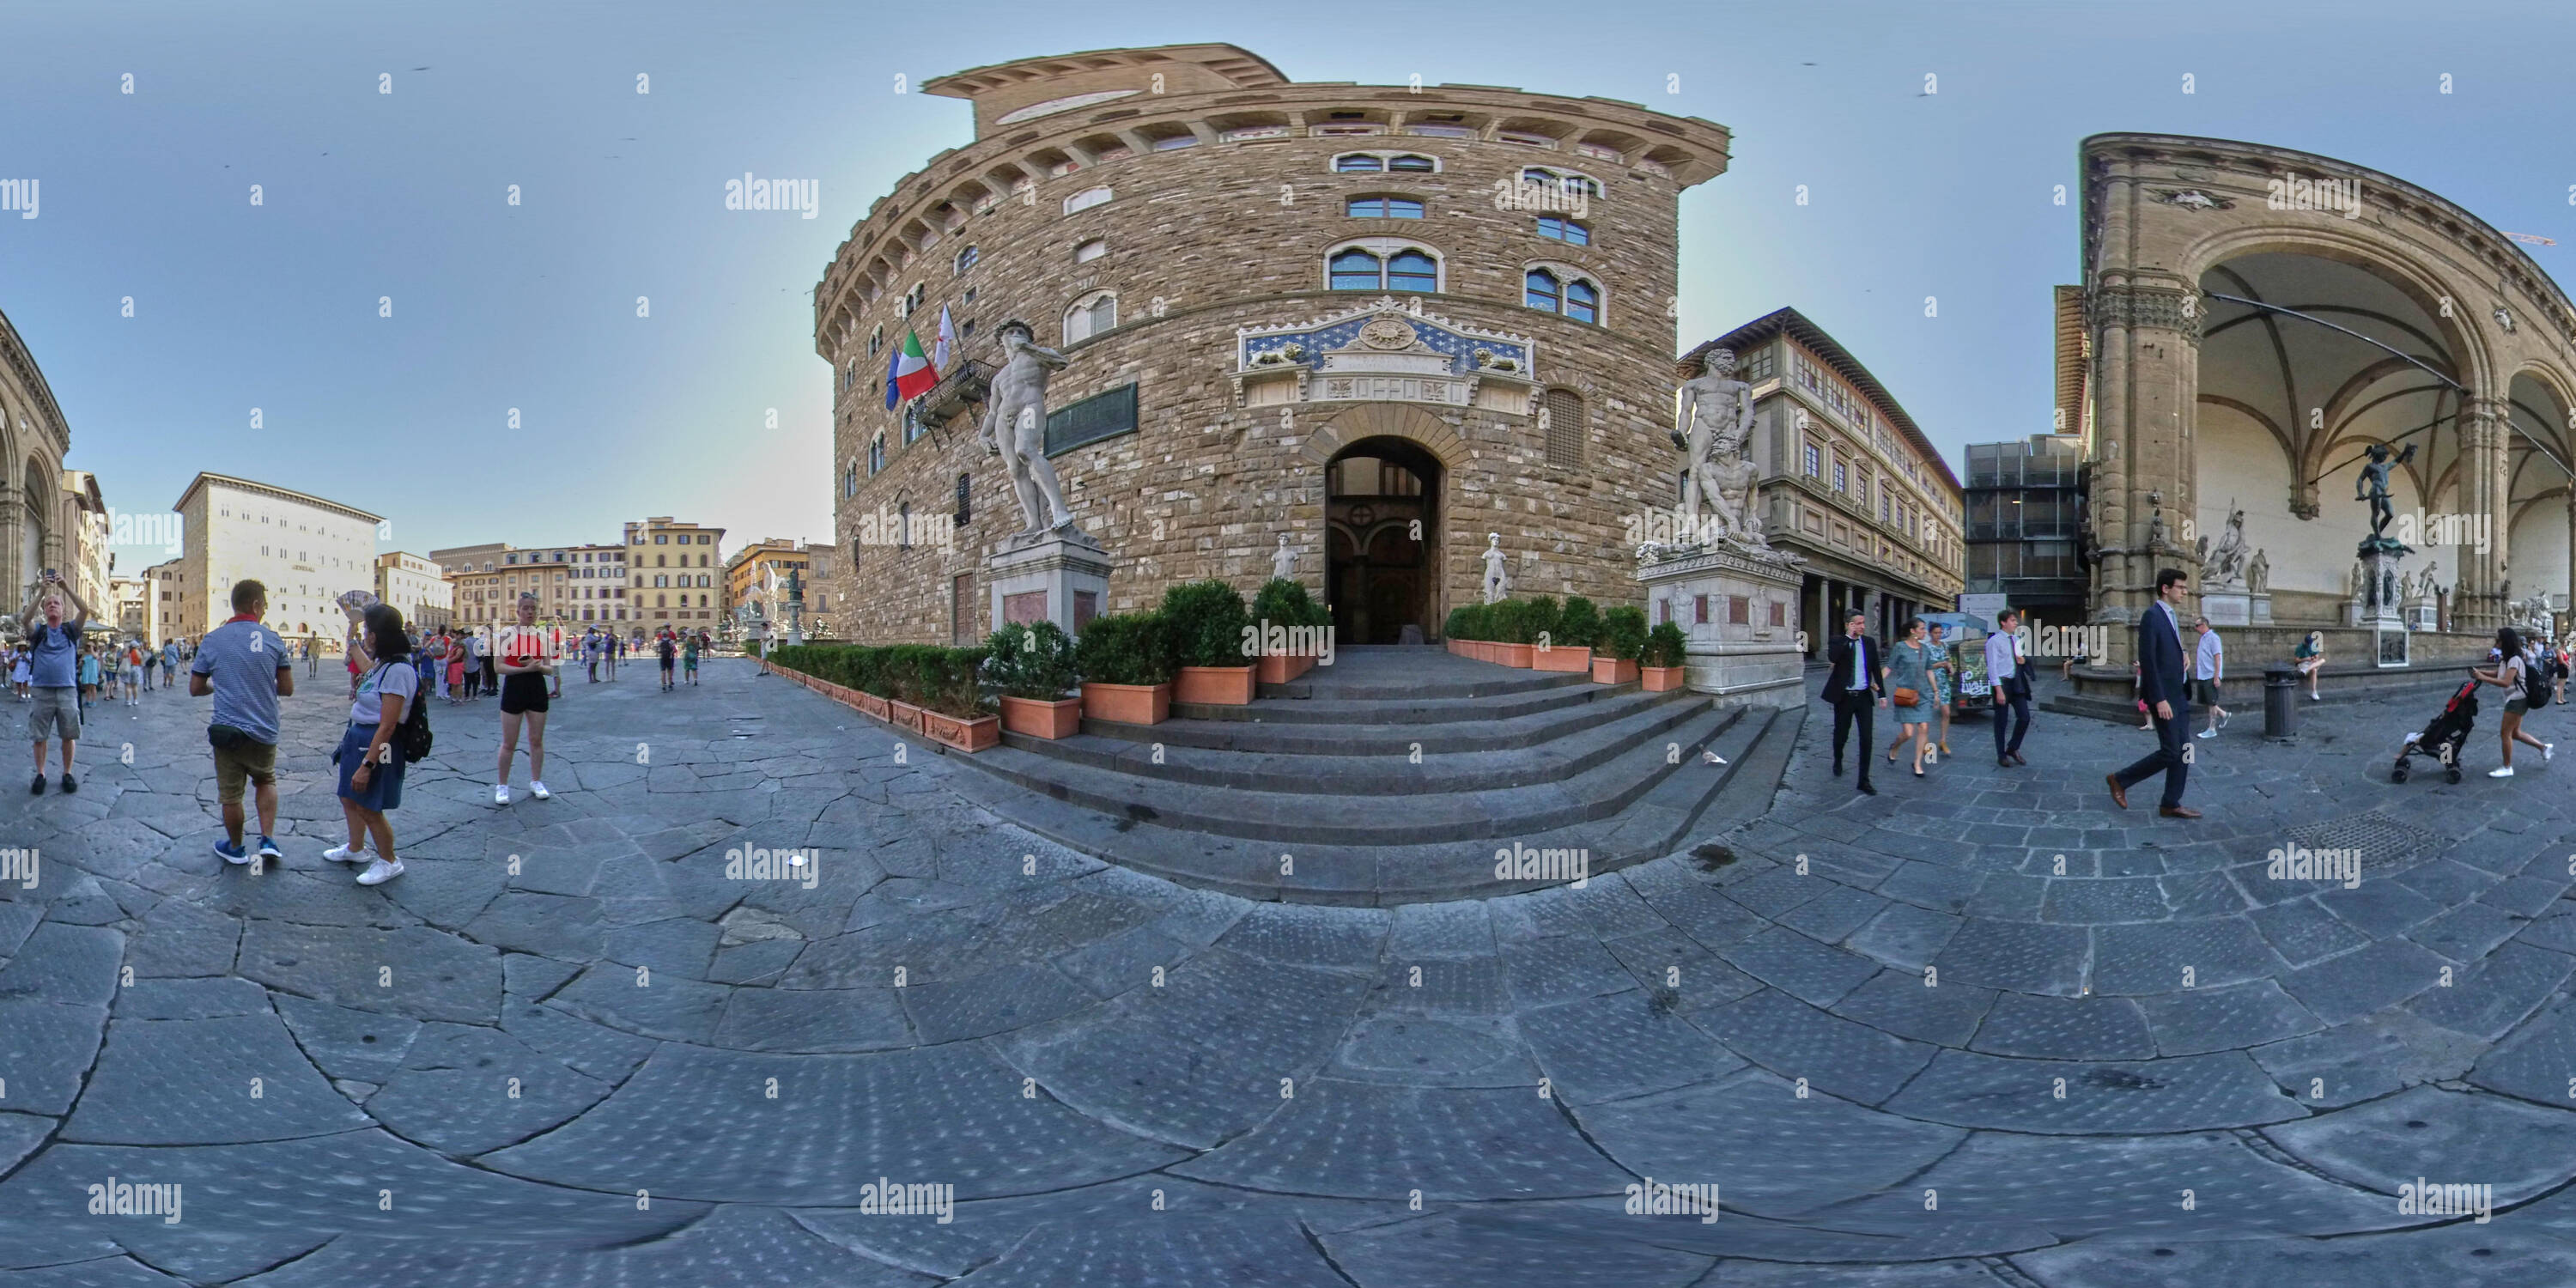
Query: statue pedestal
[[2230, 606], [1739, 608], [2261, 604], [1060, 577], [2423, 616]]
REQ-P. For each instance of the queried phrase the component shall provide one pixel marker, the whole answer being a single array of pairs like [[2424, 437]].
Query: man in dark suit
[[1852, 686], [2162, 666], [2008, 674]]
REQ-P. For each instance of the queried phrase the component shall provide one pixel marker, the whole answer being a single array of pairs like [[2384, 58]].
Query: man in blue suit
[[2161, 669], [1853, 674]]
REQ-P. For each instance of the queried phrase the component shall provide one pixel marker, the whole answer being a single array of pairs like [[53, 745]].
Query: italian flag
[[908, 374]]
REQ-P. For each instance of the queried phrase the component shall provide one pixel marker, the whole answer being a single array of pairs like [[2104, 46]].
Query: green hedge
[[1206, 621], [1467, 622], [1282, 602], [1578, 624], [1033, 661], [1623, 632], [1666, 645], [1126, 648], [946, 680]]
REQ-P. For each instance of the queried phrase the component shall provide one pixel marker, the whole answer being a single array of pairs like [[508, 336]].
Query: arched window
[[966, 258], [1085, 200], [1356, 270], [1411, 270], [1090, 315], [876, 340], [1359, 163], [1090, 250], [1563, 292], [876, 456], [965, 499], [1564, 230], [1384, 208], [1383, 264], [1412, 164], [1540, 290]]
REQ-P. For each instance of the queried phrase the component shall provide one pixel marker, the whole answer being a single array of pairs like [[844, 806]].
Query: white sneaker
[[2207, 733], [2316, 697], [380, 872], [500, 793], [2546, 750], [2501, 771], [346, 854], [539, 790]]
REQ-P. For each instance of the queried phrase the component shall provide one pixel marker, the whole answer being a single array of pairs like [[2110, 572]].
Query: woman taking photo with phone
[[371, 765]]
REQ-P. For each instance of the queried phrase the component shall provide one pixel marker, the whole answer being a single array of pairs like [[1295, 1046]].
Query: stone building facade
[[2259, 318], [305, 549], [1849, 481], [1380, 322], [33, 438]]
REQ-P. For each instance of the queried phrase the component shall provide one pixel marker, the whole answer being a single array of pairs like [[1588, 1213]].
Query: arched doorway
[[1381, 518]]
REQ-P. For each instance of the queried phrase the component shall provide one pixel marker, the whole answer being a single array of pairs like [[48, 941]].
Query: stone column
[[2147, 342], [2484, 489]]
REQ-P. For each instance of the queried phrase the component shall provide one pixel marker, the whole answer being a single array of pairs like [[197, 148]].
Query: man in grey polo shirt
[[53, 665], [247, 669]]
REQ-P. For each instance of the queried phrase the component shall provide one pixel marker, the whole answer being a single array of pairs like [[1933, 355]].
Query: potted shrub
[[1622, 639], [1509, 625], [908, 679], [1305, 625], [1207, 625], [1661, 663], [954, 711], [1568, 645], [1126, 665], [1032, 666]]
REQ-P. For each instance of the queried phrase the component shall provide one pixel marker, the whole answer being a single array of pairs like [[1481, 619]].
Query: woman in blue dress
[[1909, 670]]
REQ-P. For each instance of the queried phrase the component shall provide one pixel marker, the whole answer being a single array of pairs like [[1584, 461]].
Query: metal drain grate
[[2386, 842]]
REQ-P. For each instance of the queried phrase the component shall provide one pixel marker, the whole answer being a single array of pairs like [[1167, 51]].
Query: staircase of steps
[[1394, 776]]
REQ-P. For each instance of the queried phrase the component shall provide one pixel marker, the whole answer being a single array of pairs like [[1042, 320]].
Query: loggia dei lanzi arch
[[2259, 316]]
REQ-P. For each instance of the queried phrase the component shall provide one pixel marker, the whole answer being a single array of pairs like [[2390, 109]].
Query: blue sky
[[404, 195]]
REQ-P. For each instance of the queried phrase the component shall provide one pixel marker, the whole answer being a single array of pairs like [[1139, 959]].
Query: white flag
[[939, 354]]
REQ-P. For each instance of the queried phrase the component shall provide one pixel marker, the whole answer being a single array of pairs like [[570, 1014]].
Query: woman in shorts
[[371, 765], [2511, 668], [523, 661], [2308, 659]]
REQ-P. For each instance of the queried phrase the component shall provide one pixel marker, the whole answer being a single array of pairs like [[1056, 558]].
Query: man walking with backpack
[[245, 667]]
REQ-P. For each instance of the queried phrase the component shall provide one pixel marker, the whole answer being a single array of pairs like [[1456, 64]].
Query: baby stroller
[[2446, 736]]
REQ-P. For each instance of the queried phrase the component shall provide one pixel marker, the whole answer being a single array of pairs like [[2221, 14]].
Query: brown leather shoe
[[2119, 794], [2179, 811], [2016, 759]]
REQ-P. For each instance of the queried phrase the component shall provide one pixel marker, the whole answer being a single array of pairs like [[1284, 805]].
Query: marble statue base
[[1060, 577], [2423, 615], [2228, 607], [1739, 609]]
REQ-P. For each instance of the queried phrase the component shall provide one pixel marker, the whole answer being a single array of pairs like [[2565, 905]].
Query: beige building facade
[[1849, 481], [306, 549], [1378, 322], [573, 584], [675, 576], [756, 584], [417, 588]]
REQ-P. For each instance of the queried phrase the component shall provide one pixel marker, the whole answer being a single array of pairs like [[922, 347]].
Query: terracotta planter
[[1453, 647], [1562, 658], [874, 705], [1139, 704], [964, 733], [1513, 655], [1280, 668], [1614, 670], [906, 715], [1040, 719], [1222, 686], [1660, 679]]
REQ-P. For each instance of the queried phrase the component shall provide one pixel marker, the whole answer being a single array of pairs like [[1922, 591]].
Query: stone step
[[1575, 691], [1378, 820], [1755, 745], [1467, 678], [1309, 738], [1379, 761]]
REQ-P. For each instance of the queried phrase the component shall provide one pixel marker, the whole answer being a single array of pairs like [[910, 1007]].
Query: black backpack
[[412, 737], [2535, 680]]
